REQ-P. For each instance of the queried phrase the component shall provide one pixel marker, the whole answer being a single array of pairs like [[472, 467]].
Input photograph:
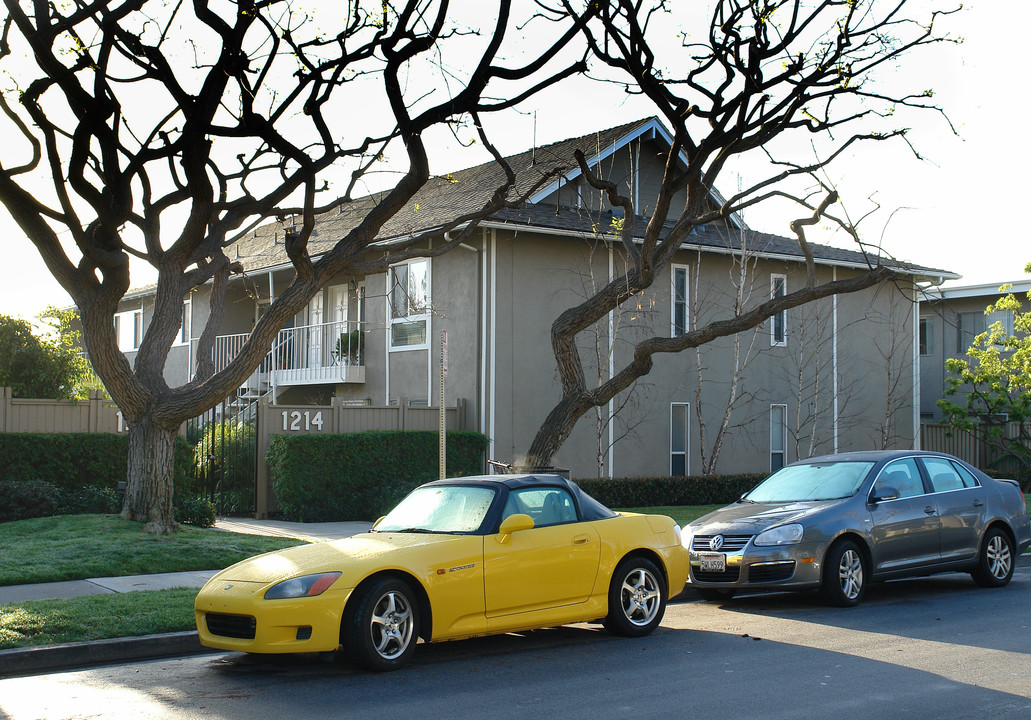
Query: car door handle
[[977, 502], [929, 510], [581, 540]]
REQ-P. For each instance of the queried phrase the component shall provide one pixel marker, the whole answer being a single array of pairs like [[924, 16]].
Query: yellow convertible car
[[455, 559]]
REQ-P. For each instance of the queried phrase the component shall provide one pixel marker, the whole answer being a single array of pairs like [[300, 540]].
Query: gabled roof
[[446, 197]]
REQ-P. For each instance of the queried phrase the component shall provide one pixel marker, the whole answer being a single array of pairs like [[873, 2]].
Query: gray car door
[[905, 531], [960, 502]]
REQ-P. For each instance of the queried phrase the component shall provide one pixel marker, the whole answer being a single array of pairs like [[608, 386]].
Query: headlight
[[780, 535], [686, 535], [303, 586]]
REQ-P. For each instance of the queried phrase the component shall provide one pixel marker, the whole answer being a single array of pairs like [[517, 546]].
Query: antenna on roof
[[533, 152]]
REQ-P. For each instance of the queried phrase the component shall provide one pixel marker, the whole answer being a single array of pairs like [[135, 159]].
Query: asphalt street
[[937, 647]]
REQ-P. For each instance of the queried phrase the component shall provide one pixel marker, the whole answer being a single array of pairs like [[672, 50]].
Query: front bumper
[[751, 567], [234, 615]]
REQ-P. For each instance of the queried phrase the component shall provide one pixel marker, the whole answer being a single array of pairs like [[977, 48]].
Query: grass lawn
[[682, 514], [75, 547], [49, 622]]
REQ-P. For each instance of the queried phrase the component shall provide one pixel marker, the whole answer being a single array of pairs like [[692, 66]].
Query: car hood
[[349, 555], [752, 518]]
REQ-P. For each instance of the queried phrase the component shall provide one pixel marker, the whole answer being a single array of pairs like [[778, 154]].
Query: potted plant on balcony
[[351, 347]]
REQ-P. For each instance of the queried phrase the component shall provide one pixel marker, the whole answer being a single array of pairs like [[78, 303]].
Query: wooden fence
[[97, 414], [966, 445]]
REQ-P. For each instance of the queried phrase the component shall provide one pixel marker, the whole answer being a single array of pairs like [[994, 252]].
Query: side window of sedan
[[903, 476], [945, 475], [547, 506]]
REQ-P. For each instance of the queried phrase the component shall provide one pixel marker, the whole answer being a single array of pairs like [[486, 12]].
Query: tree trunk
[[148, 492]]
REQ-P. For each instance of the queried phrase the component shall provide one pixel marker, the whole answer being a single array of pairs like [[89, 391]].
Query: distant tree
[[994, 382], [38, 367]]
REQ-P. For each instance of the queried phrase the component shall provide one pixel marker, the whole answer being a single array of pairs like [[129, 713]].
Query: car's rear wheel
[[844, 574], [637, 598], [995, 561], [715, 594], [381, 627]]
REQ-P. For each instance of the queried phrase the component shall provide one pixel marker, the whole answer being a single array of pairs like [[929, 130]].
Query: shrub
[[194, 511], [89, 500], [24, 499], [360, 476], [650, 491], [72, 461]]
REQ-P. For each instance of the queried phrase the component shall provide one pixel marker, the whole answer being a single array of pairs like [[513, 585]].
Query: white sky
[[957, 210]]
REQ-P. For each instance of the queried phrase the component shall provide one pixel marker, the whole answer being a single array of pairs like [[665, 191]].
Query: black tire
[[381, 627], [845, 574], [715, 594], [995, 561], [637, 598]]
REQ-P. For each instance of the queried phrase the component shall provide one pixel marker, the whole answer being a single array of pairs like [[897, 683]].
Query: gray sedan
[[838, 522]]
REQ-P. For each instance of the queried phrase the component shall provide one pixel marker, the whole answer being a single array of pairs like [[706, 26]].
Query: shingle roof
[[446, 197]]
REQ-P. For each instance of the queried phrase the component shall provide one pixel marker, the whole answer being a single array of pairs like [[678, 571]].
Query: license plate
[[713, 562]]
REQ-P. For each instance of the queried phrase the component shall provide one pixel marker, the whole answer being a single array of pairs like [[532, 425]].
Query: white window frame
[[686, 452], [129, 329], [413, 317], [186, 326], [782, 280], [780, 429], [675, 300]]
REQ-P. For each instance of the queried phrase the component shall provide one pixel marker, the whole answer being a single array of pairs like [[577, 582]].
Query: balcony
[[327, 353]]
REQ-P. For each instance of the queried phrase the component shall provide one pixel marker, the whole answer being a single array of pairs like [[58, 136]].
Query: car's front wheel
[[381, 626], [995, 561], [844, 574], [637, 598]]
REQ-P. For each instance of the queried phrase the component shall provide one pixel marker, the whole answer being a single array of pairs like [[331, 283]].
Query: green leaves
[[989, 392]]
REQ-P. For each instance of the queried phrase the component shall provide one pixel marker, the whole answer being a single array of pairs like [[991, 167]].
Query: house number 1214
[[292, 420]]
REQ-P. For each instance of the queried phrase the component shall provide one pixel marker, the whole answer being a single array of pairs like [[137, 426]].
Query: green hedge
[[71, 461], [360, 476], [25, 499], [651, 491]]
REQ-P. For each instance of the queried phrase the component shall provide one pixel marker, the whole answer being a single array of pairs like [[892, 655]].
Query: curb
[[34, 660]]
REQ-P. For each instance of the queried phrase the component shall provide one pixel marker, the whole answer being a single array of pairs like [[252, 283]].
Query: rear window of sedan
[[811, 481]]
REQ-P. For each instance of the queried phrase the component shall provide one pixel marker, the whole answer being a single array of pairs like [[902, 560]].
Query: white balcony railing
[[331, 352]]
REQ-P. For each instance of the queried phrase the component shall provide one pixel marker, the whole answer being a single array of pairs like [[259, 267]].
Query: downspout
[[834, 361], [612, 362], [916, 368], [493, 337]]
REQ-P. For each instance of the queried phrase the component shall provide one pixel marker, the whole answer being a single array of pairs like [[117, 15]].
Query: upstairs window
[[129, 330], [410, 304], [680, 321], [778, 323], [185, 327], [926, 336]]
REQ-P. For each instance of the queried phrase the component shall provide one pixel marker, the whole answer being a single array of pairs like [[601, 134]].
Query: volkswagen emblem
[[716, 543]]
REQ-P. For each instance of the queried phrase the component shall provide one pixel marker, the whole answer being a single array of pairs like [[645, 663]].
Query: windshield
[[440, 509], [816, 481]]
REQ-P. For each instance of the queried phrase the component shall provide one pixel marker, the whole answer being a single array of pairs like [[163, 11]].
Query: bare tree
[[743, 350], [769, 69], [154, 132], [620, 418]]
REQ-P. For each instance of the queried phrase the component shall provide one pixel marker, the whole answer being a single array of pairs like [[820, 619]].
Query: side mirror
[[514, 523], [885, 493]]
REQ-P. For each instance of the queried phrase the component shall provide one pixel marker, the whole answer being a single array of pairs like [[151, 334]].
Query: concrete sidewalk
[[24, 661]]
